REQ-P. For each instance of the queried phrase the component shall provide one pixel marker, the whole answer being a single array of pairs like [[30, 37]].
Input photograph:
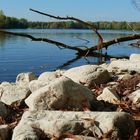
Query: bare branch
[[80, 51], [115, 41], [42, 39], [91, 26]]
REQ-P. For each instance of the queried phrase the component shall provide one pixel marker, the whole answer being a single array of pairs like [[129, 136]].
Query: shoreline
[[66, 103]]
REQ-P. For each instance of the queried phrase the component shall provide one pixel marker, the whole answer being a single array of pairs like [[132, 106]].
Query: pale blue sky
[[90, 10]]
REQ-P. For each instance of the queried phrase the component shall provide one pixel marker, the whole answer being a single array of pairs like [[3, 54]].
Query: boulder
[[108, 95], [88, 75], [124, 66], [63, 93], [11, 93], [4, 132], [134, 57], [25, 78], [55, 123]]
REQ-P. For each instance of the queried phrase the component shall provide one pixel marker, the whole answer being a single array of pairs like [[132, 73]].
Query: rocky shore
[[89, 102]]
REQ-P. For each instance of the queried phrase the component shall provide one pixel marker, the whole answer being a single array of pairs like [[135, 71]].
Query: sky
[[88, 10]]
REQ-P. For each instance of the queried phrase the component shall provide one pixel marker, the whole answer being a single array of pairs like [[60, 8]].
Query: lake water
[[19, 54]]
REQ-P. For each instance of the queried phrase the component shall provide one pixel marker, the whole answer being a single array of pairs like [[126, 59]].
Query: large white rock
[[25, 78], [55, 123], [134, 57], [11, 93], [88, 75], [4, 132], [63, 93], [124, 65], [108, 95]]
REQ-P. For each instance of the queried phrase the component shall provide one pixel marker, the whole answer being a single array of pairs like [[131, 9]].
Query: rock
[[49, 76], [55, 123], [11, 93], [36, 84], [88, 75], [26, 132], [44, 79], [134, 57], [79, 137], [4, 111], [25, 78], [135, 97], [126, 76], [63, 93], [108, 95], [104, 65], [4, 132], [124, 66]]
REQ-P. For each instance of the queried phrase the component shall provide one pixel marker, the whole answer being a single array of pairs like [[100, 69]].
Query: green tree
[[2, 19]]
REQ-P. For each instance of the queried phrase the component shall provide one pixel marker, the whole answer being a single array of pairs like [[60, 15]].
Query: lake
[[19, 54]]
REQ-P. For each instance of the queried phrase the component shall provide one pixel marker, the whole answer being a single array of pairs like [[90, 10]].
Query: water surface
[[19, 54]]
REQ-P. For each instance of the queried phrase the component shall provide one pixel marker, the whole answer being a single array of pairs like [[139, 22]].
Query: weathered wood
[[91, 26], [115, 41], [42, 39], [81, 51]]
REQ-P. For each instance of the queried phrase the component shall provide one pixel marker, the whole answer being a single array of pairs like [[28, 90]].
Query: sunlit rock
[[63, 93], [55, 123], [12, 93], [88, 75], [108, 95]]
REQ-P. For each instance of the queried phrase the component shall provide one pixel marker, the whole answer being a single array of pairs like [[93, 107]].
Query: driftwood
[[91, 26]]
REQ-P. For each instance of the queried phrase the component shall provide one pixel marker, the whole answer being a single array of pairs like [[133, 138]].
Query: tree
[[2, 19]]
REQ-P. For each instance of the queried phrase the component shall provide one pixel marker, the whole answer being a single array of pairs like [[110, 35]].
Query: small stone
[[25, 78], [134, 57], [108, 95], [135, 97], [12, 93]]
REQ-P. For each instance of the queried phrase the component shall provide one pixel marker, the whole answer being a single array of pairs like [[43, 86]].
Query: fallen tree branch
[[91, 26], [81, 51], [42, 39], [115, 41]]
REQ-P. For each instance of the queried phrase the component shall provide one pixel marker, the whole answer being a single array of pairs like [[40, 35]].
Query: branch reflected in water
[[101, 58]]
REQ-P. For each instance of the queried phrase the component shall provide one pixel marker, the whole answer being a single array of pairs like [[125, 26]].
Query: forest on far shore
[[7, 22]]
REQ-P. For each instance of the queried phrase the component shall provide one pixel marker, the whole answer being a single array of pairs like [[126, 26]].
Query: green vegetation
[[14, 23]]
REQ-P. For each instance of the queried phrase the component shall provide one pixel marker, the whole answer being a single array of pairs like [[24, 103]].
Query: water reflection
[[2, 39], [22, 55]]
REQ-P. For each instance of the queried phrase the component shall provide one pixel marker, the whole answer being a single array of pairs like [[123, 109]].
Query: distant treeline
[[15, 23]]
